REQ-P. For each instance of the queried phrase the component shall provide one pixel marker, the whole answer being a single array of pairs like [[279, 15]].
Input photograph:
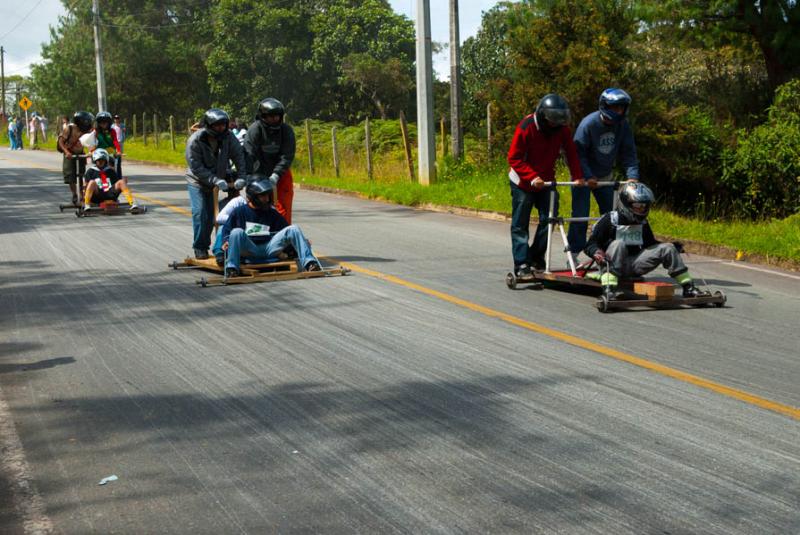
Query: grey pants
[[623, 264]]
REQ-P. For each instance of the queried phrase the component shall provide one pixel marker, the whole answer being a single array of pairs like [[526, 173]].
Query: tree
[[386, 83], [773, 24]]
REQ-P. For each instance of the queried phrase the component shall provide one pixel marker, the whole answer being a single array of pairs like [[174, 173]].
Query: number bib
[[256, 229], [630, 234]]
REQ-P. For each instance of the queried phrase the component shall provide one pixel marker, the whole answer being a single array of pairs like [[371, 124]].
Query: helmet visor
[[640, 208], [556, 116]]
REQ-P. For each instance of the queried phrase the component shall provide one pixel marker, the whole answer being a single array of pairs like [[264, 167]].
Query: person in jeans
[[602, 138], [12, 133], [623, 241], [537, 144], [208, 153], [257, 231]]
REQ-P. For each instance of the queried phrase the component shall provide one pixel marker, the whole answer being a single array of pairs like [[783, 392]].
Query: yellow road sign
[[25, 103]]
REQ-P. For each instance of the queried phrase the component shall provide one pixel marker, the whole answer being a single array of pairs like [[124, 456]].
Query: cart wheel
[[724, 299], [173, 265], [511, 281], [143, 209], [602, 304], [61, 209], [78, 213], [203, 282], [345, 271]]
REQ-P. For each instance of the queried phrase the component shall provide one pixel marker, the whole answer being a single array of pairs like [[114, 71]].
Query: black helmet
[[271, 106], [83, 120], [103, 116], [635, 200], [212, 117], [256, 188], [614, 97], [552, 113]]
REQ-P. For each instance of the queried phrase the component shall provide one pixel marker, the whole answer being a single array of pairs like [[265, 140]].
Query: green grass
[[480, 186]]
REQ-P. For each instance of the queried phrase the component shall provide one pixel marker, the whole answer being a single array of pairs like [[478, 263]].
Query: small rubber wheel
[[173, 265], [203, 282], [602, 304], [144, 209], [511, 281], [724, 299], [61, 209]]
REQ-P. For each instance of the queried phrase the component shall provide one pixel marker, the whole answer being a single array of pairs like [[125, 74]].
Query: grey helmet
[[635, 200], [100, 154]]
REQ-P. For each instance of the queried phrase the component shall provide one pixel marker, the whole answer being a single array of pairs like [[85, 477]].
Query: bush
[[679, 150], [761, 173]]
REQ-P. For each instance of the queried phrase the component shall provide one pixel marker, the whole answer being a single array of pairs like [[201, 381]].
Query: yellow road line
[[741, 395]]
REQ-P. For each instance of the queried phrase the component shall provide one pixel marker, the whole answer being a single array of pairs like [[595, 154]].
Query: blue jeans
[[604, 196], [12, 137], [202, 202], [239, 245], [522, 203]]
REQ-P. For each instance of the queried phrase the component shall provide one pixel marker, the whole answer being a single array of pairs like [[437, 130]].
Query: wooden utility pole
[[489, 131], [155, 128], [443, 134], [310, 147], [456, 132], [98, 57], [368, 144], [3, 79], [426, 124], [335, 151]]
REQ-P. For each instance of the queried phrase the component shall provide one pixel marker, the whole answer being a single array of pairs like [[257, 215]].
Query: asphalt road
[[416, 395]]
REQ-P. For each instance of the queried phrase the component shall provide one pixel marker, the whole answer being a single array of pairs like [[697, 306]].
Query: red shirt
[[533, 154]]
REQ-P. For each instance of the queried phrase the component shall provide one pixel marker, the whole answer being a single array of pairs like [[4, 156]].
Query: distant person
[[119, 129], [270, 146], [208, 153], [603, 137], [537, 144], [20, 122], [12, 133], [103, 183], [69, 144], [33, 131], [43, 127]]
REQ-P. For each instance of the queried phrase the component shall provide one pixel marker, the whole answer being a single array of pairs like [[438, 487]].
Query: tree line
[[712, 80]]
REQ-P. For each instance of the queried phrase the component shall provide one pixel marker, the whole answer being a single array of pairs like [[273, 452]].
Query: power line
[[21, 20]]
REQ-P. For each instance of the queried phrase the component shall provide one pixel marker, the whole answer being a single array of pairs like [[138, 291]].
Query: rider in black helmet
[[209, 152], [270, 146], [69, 144], [257, 232]]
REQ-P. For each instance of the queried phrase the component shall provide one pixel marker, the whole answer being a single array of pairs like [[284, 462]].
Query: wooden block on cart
[[654, 290]]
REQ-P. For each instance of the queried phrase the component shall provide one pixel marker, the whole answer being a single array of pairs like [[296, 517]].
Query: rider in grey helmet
[[270, 146], [623, 240], [208, 154]]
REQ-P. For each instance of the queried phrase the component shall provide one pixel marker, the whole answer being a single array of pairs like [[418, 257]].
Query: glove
[[679, 246], [600, 257], [240, 183], [274, 179], [221, 184]]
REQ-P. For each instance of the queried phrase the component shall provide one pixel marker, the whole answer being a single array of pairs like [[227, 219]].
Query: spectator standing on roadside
[[119, 129], [20, 122]]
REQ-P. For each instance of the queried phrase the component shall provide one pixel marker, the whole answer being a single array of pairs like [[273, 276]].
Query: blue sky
[[25, 26]]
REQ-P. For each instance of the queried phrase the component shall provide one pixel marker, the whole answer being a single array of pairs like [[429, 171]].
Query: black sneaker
[[220, 258], [523, 271], [690, 290], [231, 272], [200, 254], [313, 266]]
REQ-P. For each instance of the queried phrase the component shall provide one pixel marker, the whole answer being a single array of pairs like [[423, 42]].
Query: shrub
[[761, 173]]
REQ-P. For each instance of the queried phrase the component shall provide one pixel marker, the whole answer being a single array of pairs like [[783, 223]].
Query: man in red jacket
[[537, 144]]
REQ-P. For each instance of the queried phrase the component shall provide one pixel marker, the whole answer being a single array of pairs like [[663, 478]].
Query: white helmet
[[100, 154]]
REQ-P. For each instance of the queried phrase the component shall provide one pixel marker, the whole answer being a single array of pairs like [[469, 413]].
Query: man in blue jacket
[[256, 230], [602, 138]]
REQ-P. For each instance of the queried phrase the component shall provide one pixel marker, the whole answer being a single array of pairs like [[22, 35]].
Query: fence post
[[134, 127], [444, 136], [188, 127], [172, 131], [407, 145], [155, 128], [368, 143], [144, 129], [310, 147], [489, 131], [335, 151]]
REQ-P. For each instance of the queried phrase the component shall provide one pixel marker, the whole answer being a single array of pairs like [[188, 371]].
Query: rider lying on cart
[[255, 230], [103, 184], [623, 245]]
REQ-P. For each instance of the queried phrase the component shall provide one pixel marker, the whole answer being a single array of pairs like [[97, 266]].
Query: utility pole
[[426, 128], [3, 78], [102, 105], [455, 83]]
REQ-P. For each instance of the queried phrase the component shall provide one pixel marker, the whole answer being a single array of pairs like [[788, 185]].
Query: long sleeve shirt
[[534, 154], [600, 146], [259, 225]]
